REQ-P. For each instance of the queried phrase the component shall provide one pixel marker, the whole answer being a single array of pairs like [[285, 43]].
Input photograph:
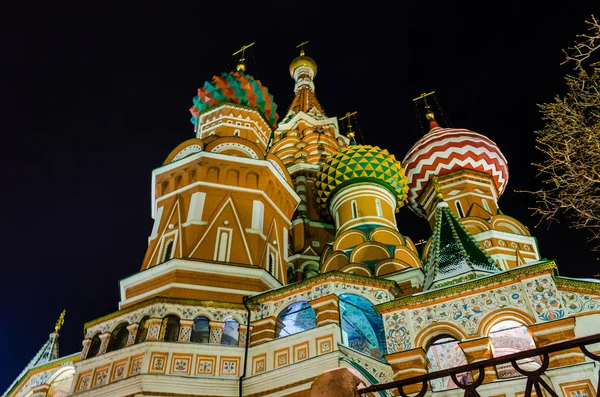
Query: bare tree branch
[[570, 142]]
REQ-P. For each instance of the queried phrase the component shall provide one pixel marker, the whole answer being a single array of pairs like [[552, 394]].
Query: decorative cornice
[[591, 286], [162, 299], [333, 276], [513, 274]]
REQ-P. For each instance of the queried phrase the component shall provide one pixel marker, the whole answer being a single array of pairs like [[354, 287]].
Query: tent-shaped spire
[[47, 353], [454, 255]]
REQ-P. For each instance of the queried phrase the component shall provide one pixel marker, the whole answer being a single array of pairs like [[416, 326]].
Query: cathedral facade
[[275, 256]]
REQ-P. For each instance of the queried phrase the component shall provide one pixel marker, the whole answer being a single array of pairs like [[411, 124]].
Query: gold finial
[[60, 322], [428, 112], [437, 188], [350, 134], [301, 45], [241, 66]]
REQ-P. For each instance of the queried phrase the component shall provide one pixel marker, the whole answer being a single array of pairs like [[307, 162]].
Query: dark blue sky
[[93, 97]]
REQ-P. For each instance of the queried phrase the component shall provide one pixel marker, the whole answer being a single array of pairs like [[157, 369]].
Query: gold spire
[[350, 134], [241, 66], [60, 322]]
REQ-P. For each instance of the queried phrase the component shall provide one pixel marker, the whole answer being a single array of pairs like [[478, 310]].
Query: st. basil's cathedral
[[276, 256]]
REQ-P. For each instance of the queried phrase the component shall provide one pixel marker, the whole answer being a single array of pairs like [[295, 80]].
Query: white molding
[[200, 267]]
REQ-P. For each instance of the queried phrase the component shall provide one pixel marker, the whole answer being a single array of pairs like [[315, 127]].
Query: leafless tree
[[570, 142]]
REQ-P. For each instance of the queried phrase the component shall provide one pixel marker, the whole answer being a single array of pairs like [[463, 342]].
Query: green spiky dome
[[360, 163]]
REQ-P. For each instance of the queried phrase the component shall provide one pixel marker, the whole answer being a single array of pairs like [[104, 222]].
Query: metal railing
[[534, 378]]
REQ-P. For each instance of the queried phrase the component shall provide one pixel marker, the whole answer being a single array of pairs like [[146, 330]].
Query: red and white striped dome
[[445, 150]]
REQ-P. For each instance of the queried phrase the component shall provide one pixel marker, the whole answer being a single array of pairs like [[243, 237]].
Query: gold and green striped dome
[[360, 163]]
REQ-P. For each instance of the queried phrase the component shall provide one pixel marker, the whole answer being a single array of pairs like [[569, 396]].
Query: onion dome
[[445, 150], [360, 163], [303, 60], [238, 88]]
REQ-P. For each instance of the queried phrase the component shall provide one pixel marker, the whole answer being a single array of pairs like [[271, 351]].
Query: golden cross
[[428, 113], [301, 45], [243, 49], [60, 322], [241, 66], [350, 133]]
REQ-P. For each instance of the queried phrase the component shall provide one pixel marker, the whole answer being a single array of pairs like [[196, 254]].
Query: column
[[407, 364], [185, 330], [154, 325], [242, 331], [300, 184], [85, 348], [132, 328], [216, 332], [557, 331], [326, 310], [479, 350], [104, 338]]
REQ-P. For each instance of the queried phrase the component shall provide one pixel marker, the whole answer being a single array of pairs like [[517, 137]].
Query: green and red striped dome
[[238, 88]]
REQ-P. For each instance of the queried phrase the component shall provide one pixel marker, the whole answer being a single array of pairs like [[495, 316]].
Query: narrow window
[[200, 330], [378, 206], [168, 251], [118, 338], [459, 209], [354, 209], [170, 329], [142, 330], [94, 346], [271, 262], [230, 333]]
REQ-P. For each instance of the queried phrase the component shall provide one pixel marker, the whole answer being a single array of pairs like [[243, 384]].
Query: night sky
[[93, 98]]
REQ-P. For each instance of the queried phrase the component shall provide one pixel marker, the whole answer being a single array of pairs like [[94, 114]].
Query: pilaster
[[133, 329], [104, 338], [479, 350], [326, 310], [557, 331], [407, 364], [185, 330], [153, 328], [216, 332]]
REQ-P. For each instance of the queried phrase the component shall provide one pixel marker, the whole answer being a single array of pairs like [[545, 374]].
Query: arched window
[[297, 317], [61, 385], [443, 352], [459, 209], [200, 330], [168, 251], [118, 338], [362, 327], [169, 331], [510, 337], [94, 346], [354, 209], [142, 330], [230, 333]]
